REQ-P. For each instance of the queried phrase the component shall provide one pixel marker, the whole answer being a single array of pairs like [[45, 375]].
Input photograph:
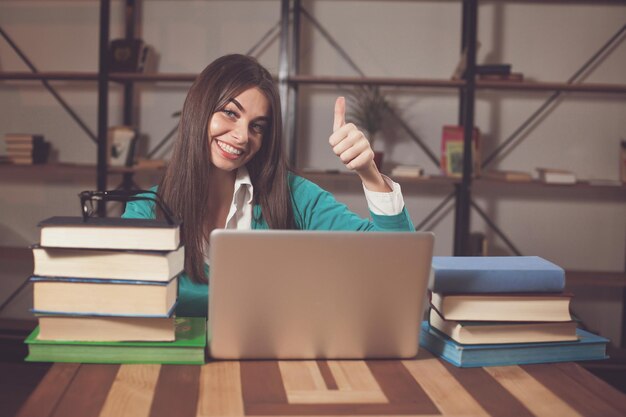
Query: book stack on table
[[105, 290], [490, 311]]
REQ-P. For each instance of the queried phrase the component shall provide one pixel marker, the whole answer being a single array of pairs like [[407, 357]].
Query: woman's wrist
[[373, 180]]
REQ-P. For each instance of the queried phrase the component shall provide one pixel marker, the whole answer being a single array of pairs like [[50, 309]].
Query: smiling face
[[236, 131]]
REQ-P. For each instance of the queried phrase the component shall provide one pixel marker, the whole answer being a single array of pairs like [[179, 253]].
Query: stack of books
[[556, 176], [105, 290], [26, 149], [491, 311]]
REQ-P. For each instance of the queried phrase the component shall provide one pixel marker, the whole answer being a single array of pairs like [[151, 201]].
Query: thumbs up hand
[[354, 150]]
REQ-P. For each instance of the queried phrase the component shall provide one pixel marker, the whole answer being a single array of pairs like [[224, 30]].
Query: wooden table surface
[[425, 386]]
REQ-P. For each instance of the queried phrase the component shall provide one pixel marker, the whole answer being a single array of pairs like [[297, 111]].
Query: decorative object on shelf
[[368, 110], [556, 176], [407, 171], [26, 149], [121, 146], [507, 175], [452, 151], [131, 55], [622, 164]]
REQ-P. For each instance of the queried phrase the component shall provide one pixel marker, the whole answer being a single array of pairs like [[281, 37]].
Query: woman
[[228, 170]]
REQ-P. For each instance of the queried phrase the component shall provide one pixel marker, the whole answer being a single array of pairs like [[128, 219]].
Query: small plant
[[367, 109]]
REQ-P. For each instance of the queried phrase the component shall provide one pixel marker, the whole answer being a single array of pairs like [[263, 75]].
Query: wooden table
[[425, 386]]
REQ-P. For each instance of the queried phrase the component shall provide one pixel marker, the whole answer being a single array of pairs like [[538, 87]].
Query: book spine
[[481, 281]]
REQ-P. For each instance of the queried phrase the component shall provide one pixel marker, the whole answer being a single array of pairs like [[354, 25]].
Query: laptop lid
[[316, 294]]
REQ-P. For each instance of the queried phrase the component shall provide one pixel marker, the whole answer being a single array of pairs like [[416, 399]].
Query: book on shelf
[[187, 348], [503, 307], [507, 175], [513, 76], [23, 138], [103, 297], [452, 145], [106, 263], [409, 171], [22, 160], [556, 176], [477, 332], [26, 149], [588, 346], [500, 69], [131, 55], [106, 329], [495, 274], [121, 141], [109, 233]]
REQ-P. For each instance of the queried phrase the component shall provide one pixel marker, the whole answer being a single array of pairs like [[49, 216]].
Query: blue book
[[495, 274], [588, 347]]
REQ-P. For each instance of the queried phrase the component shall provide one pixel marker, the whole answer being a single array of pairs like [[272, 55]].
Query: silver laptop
[[314, 294]]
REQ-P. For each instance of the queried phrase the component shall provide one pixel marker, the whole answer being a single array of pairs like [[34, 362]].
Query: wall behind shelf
[[385, 38]]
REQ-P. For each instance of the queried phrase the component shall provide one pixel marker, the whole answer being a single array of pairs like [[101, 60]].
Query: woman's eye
[[258, 128], [229, 113]]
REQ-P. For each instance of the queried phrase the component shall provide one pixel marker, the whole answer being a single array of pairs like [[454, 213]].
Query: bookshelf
[[290, 79]]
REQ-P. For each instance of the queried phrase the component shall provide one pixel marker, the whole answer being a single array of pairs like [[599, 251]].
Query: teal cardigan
[[314, 209]]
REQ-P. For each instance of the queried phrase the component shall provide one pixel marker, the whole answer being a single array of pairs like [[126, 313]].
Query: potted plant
[[368, 109]]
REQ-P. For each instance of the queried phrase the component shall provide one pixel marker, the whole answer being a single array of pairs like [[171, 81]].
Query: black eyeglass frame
[[124, 196]]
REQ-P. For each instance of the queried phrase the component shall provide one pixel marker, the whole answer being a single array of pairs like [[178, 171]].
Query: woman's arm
[[317, 209]]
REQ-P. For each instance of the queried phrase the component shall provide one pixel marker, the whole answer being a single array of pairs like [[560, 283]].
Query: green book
[[188, 348]]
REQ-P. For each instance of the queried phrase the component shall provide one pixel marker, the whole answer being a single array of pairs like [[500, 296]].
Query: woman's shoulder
[[141, 209], [301, 185]]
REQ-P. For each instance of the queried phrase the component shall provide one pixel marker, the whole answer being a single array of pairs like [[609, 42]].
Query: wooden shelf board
[[93, 76], [156, 77], [382, 81], [329, 80], [448, 83], [346, 176], [56, 171], [51, 76], [550, 86], [46, 171], [538, 183]]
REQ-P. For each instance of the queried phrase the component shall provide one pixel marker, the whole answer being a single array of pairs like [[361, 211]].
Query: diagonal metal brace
[[46, 84], [495, 228]]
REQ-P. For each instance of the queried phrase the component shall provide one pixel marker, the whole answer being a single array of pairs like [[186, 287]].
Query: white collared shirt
[[240, 212]]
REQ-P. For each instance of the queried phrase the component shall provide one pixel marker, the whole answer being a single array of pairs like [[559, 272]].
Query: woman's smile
[[228, 151]]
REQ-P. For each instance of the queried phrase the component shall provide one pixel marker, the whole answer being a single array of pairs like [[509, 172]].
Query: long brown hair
[[185, 185]]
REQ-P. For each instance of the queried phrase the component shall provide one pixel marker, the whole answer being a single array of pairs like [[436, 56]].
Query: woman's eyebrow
[[241, 109], [238, 104]]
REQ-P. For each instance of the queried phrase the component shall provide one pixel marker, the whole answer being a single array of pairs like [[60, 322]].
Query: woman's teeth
[[227, 148]]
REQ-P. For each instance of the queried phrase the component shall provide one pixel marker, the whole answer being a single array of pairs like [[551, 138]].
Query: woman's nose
[[240, 133]]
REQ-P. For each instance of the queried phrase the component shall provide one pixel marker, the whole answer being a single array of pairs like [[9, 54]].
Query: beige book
[[103, 297], [108, 264], [477, 332], [106, 329], [503, 307]]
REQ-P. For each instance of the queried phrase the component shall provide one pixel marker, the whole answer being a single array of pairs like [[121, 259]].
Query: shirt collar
[[243, 183]]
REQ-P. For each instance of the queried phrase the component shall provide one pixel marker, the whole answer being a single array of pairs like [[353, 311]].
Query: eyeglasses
[[88, 208]]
